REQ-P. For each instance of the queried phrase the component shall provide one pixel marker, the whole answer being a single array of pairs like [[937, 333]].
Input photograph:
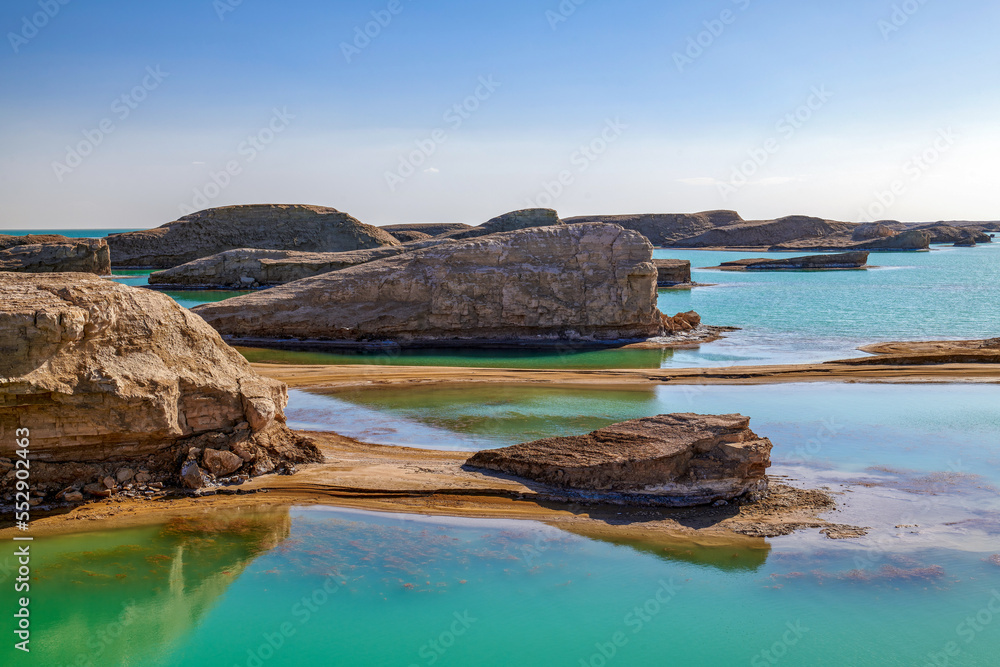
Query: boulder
[[680, 322], [262, 226], [666, 229], [672, 272], [75, 255], [675, 460], [247, 268], [589, 282], [220, 463], [107, 376], [840, 261]]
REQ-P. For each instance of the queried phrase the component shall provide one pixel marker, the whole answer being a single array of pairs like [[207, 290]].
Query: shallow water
[[186, 298], [358, 589]]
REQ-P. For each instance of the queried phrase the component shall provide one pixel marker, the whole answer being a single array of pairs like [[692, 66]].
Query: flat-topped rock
[[261, 226], [248, 268], [73, 255], [528, 218], [107, 376], [562, 282], [766, 233], [672, 272], [910, 240], [678, 460], [666, 229], [839, 261]]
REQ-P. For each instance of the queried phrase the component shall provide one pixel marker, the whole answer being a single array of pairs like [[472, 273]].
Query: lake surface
[[337, 587]]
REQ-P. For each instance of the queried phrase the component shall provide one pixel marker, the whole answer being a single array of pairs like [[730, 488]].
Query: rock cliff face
[[666, 229], [672, 272], [847, 260], [947, 234], [678, 460], [7, 241], [904, 241], [76, 255], [110, 378], [560, 282], [247, 268], [875, 230], [264, 226]]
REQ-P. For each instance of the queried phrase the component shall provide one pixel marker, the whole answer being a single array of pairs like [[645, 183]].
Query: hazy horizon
[[128, 115]]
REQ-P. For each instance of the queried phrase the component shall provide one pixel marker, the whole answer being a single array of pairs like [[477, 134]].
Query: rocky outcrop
[[676, 460], [666, 229], [681, 322], [251, 269], [847, 260], [75, 255], [429, 228], [875, 230], [406, 237], [904, 241], [768, 233], [108, 378], [672, 272], [941, 233], [8, 241], [509, 222], [582, 282], [264, 226]]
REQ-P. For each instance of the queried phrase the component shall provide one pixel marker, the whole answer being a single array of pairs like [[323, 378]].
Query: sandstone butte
[[120, 385], [265, 226], [582, 282], [254, 268], [59, 254], [673, 460]]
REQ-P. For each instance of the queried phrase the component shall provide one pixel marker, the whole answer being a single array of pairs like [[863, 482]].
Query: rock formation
[[666, 229], [875, 230], [672, 272], [429, 228], [407, 236], [75, 255], [264, 226], [680, 322], [583, 282], [115, 382], [768, 232], [677, 460], [942, 233], [8, 241], [510, 222], [911, 240], [250, 269], [847, 260]]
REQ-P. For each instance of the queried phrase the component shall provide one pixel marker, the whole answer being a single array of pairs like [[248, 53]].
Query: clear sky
[[118, 113]]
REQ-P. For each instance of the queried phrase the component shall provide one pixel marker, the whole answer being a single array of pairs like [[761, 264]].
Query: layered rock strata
[[114, 382], [264, 226], [75, 255], [839, 261], [672, 272], [666, 229], [591, 282], [674, 460]]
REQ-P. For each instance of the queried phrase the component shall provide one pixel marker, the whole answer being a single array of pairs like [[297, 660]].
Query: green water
[[336, 587], [188, 299], [72, 233]]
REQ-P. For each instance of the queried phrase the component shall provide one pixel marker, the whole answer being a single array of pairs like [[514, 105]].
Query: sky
[[125, 114]]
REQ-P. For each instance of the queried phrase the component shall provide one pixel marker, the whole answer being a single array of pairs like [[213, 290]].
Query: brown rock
[[666, 229], [73, 497], [847, 260], [765, 233], [263, 226], [672, 272], [678, 460], [407, 236], [528, 218], [581, 282], [192, 476], [428, 228], [105, 374], [221, 463], [875, 230], [681, 322], [75, 255]]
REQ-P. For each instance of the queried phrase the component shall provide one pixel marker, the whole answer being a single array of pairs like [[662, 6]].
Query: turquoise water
[[188, 299], [925, 429], [358, 589]]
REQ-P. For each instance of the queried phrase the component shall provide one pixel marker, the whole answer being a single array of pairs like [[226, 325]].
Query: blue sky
[[590, 108]]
